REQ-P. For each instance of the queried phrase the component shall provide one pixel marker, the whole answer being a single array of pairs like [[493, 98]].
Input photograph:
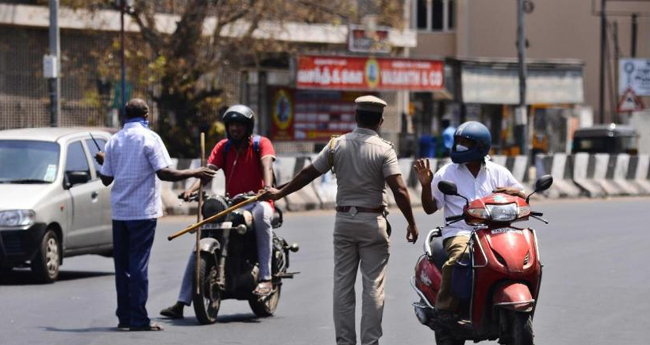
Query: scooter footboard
[[514, 296]]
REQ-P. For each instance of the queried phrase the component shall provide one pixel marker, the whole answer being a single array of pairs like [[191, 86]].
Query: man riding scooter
[[247, 162], [476, 177]]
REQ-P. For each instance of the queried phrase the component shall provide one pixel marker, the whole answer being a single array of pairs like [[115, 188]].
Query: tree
[[179, 64]]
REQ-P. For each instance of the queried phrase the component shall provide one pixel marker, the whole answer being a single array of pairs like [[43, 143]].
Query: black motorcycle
[[229, 266]]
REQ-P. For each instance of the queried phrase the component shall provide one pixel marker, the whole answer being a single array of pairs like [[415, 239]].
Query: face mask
[[461, 148]]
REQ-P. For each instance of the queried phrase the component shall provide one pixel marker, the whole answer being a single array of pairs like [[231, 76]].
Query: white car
[[52, 202]]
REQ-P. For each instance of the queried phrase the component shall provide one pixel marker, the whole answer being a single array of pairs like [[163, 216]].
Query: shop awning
[[499, 84]]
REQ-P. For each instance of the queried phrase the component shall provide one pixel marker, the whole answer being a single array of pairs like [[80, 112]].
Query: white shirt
[[488, 179], [132, 157]]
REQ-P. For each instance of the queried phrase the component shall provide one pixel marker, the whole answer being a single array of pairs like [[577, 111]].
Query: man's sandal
[[264, 288], [150, 327]]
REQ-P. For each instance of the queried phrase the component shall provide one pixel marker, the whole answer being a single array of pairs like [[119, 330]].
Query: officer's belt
[[360, 209]]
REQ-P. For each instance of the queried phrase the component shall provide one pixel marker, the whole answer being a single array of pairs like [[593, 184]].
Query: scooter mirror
[[543, 183], [448, 188]]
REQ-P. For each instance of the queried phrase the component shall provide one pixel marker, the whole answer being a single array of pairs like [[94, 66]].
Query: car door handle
[[94, 195]]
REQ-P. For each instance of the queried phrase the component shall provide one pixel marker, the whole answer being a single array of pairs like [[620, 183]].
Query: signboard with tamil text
[[368, 73]]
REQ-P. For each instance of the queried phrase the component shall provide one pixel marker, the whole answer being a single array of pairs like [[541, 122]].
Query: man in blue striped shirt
[[132, 160]]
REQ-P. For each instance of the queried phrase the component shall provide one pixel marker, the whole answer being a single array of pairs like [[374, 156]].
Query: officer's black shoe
[[174, 312]]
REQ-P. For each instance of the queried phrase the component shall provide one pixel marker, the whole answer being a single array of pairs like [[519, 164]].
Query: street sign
[[363, 40], [634, 74], [50, 67], [629, 102]]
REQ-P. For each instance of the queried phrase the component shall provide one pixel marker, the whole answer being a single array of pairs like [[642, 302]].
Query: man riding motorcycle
[[247, 162], [476, 177]]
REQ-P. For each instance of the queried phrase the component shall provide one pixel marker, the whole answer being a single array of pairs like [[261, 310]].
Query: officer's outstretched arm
[[304, 177]]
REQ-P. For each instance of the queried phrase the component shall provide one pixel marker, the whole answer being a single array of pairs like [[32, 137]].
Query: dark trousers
[[132, 241]]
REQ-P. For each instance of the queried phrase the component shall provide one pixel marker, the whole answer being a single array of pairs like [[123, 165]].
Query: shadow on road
[[192, 321], [23, 277], [82, 330]]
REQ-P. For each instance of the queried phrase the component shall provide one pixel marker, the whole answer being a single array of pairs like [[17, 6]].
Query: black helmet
[[477, 133], [241, 114]]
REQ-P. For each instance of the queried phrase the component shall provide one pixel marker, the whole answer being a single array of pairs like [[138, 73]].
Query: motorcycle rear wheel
[[208, 300], [521, 332], [266, 306]]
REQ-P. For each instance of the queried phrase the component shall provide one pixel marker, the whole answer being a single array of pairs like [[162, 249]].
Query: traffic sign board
[[629, 102]]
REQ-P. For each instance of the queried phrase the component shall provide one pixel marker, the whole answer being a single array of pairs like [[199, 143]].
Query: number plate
[[503, 230], [217, 226]]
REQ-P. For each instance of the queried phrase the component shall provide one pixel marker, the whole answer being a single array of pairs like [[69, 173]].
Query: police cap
[[370, 104]]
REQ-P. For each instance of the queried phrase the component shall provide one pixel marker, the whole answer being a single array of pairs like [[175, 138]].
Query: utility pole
[[603, 46], [122, 62], [54, 81], [635, 27], [521, 112]]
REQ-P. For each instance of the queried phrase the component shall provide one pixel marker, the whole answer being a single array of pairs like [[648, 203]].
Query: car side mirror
[[543, 183], [448, 188], [76, 177]]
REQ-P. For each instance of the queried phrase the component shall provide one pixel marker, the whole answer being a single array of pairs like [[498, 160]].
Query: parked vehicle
[[52, 202], [229, 265], [612, 139], [498, 284]]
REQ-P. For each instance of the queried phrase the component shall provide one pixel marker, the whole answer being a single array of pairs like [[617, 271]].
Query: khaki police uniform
[[361, 160]]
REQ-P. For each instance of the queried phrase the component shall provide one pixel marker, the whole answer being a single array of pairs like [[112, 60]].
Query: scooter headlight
[[480, 213], [503, 213]]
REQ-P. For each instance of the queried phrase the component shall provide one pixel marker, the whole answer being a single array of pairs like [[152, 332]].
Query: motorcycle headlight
[[503, 213], [17, 217]]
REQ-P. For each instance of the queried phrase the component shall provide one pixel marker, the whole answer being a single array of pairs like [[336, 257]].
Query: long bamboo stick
[[198, 220], [209, 219]]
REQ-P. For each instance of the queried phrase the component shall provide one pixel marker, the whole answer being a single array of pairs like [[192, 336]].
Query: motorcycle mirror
[[543, 183], [448, 188]]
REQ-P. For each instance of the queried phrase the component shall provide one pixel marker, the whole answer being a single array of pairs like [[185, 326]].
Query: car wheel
[[45, 265]]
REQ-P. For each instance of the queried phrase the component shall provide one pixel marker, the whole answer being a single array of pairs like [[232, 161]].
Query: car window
[[76, 159], [25, 161], [92, 147]]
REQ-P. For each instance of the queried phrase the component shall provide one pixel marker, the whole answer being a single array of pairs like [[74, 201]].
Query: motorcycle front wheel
[[208, 300], [266, 306]]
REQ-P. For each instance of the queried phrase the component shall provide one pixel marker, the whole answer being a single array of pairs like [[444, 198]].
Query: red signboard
[[368, 73], [311, 115]]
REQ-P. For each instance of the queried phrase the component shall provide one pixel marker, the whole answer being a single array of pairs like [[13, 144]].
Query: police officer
[[364, 163]]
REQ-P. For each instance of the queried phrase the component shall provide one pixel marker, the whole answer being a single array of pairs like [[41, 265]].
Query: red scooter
[[497, 283]]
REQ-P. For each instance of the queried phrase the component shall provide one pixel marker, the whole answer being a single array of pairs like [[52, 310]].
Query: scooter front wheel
[[208, 300], [443, 337], [522, 329]]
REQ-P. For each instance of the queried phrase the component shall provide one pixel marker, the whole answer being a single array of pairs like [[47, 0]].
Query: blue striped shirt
[[132, 157]]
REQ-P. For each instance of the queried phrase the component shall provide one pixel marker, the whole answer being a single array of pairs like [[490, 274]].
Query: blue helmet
[[479, 135]]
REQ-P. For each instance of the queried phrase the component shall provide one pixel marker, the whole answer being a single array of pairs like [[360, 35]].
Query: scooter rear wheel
[[208, 300]]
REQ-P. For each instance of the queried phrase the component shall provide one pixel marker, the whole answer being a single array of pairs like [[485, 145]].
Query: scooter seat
[[438, 252]]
